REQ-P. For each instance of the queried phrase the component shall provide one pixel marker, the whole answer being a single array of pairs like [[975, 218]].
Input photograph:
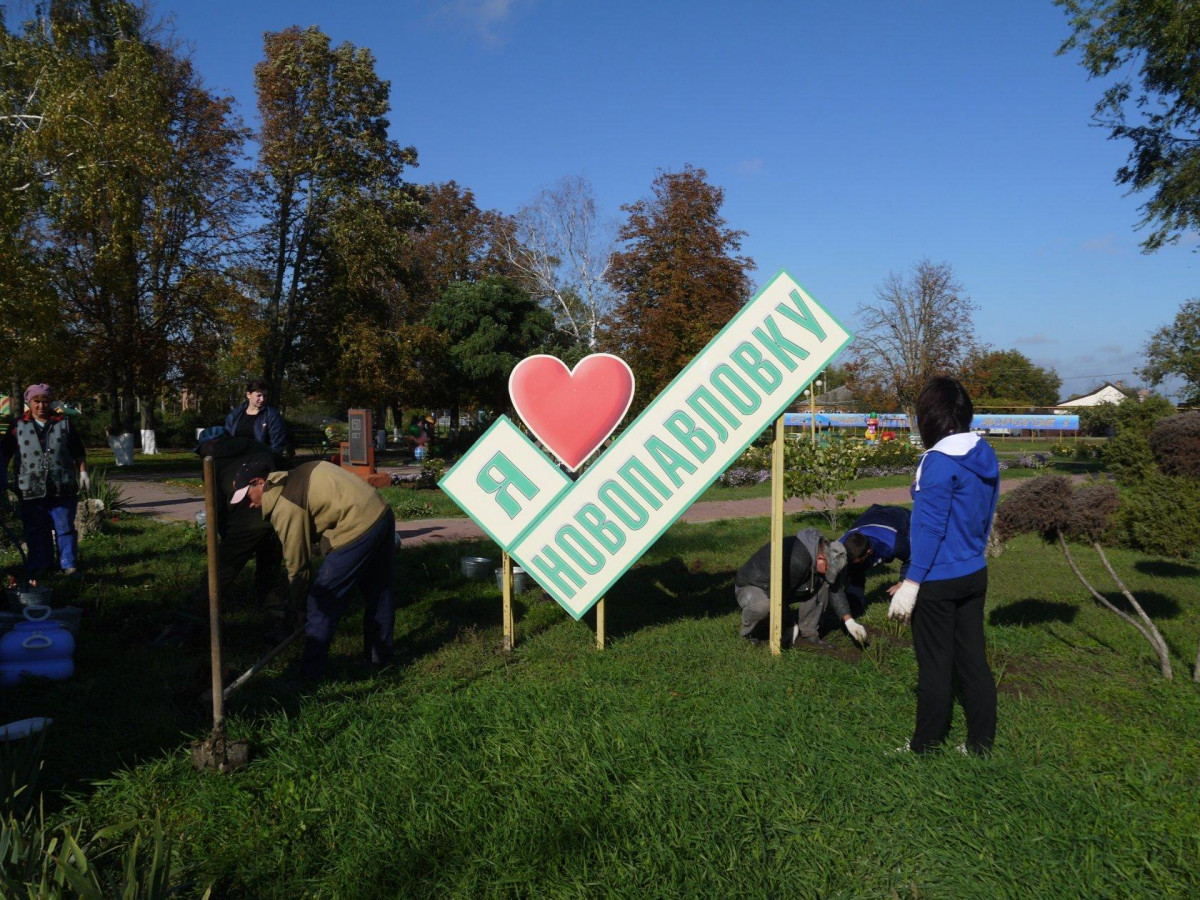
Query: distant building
[[1110, 393], [839, 398]]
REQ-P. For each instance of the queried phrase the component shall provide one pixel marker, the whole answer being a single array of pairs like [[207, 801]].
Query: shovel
[[257, 667], [216, 752]]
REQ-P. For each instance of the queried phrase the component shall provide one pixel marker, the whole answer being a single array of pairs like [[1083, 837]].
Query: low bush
[[1033, 460], [107, 492], [1160, 515], [1063, 449], [1175, 443], [432, 470]]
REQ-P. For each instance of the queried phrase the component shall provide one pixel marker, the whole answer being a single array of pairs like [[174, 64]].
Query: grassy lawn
[[680, 761]]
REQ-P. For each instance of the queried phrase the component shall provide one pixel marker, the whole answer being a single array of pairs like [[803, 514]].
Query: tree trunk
[[1105, 602], [1160, 645]]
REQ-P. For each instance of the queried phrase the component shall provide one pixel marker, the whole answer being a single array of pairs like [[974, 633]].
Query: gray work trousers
[[756, 613]]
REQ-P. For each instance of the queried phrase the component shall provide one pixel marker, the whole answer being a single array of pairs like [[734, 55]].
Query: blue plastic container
[[41, 648]]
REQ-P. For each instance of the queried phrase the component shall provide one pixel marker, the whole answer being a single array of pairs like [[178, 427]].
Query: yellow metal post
[[812, 410], [600, 624], [506, 579], [776, 625]]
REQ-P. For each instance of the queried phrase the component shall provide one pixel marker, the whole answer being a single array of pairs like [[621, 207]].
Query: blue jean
[[42, 518], [367, 563]]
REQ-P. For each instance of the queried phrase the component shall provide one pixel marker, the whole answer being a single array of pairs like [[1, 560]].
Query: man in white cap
[[323, 501], [814, 576]]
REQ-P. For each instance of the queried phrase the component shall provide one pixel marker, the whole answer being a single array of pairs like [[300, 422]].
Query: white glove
[[85, 483], [903, 602], [856, 631]]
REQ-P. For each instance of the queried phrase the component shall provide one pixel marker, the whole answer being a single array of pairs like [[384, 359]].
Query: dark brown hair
[[857, 546], [943, 409], [256, 384]]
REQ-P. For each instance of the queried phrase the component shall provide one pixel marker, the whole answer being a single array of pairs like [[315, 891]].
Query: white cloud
[[750, 166], [486, 18], [1037, 339]]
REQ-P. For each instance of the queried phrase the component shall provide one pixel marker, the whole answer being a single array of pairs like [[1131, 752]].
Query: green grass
[[680, 761]]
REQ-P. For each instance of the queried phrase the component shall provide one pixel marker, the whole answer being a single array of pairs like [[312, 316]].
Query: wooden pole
[[507, 581], [600, 624], [776, 631], [214, 595]]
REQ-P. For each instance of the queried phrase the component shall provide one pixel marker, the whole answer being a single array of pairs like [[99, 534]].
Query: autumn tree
[[1175, 350], [1151, 52], [919, 326], [134, 167], [490, 326], [678, 277], [997, 379], [452, 240], [330, 193], [561, 252]]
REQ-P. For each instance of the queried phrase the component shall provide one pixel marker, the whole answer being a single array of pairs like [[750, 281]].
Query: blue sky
[[852, 139]]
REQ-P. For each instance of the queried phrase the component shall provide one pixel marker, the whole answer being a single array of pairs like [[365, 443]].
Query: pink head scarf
[[38, 390]]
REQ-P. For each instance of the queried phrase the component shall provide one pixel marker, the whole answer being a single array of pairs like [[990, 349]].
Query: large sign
[[900, 420], [582, 537]]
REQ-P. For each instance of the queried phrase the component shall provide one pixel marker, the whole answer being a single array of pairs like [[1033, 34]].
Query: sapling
[[1048, 506]]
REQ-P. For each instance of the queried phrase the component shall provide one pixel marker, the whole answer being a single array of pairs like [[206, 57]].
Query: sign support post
[[777, 492], [509, 625], [600, 624]]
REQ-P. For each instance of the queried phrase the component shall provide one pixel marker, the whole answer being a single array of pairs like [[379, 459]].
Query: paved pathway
[[173, 503]]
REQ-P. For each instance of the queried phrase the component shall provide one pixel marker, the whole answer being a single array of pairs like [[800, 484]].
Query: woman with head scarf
[[49, 469]]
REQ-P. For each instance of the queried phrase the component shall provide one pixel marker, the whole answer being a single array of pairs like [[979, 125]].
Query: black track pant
[[948, 639]]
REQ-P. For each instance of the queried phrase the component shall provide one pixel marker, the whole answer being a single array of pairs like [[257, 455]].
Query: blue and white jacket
[[954, 496]]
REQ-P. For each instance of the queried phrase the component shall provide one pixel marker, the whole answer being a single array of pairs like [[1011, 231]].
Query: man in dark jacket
[[244, 535], [813, 576], [877, 537]]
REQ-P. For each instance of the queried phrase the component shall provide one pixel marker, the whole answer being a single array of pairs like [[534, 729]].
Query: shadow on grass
[[1156, 605], [1166, 569], [665, 592], [1032, 611]]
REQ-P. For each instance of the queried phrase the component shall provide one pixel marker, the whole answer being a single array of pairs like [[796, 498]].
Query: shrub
[[1063, 449], [823, 473], [752, 467], [890, 457], [1033, 460], [1041, 506], [1128, 457], [432, 470], [107, 492], [1048, 506], [1160, 515], [1175, 443]]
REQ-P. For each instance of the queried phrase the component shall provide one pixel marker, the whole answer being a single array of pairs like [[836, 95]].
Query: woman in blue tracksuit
[[954, 496], [257, 421]]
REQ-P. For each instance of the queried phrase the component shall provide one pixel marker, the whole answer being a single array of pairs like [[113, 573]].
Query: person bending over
[[813, 578], [318, 500], [877, 537]]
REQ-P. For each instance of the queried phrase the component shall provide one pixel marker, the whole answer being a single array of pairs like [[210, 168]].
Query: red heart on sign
[[571, 411]]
